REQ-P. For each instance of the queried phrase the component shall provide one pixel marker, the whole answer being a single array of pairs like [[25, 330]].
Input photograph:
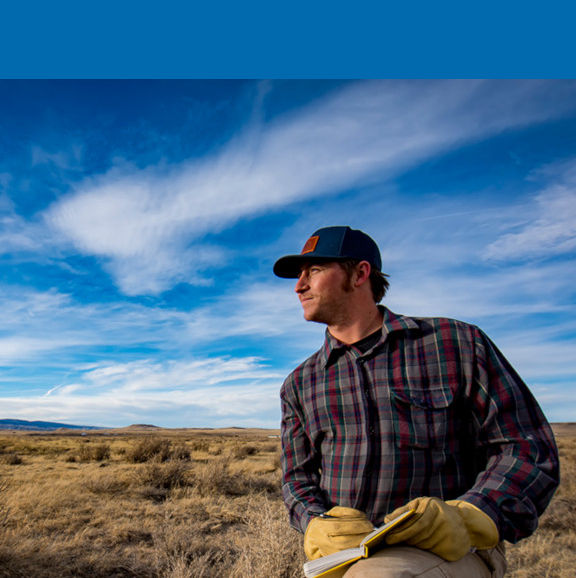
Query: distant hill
[[139, 427], [21, 424]]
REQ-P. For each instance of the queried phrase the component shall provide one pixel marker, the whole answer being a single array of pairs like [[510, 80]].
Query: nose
[[302, 283]]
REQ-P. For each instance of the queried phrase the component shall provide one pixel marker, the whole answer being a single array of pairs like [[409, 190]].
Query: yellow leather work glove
[[481, 528], [345, 529], [449, 529]]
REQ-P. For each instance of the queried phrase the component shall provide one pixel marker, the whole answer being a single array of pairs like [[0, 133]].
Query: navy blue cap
[[331, 244]]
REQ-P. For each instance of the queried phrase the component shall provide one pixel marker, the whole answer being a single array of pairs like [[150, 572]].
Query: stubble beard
[[331, 311]]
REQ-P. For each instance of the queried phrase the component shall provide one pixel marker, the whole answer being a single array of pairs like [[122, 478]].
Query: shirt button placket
[[369, 429], [365, 381], [367, 393]]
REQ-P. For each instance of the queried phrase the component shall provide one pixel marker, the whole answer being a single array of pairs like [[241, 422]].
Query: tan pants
[[408, 562]]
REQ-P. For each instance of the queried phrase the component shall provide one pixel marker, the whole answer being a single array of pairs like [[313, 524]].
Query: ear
[[363, 270]]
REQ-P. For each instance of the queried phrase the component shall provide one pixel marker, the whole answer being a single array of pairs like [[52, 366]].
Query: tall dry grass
[[170, 505], [187, 504]]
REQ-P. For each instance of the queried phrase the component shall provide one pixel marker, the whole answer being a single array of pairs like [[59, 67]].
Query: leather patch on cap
[[310, 245]]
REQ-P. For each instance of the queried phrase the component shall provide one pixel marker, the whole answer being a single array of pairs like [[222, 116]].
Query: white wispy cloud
[[254, 405], [147, 375], [18, 235], [51, 327], [200, 392], [551, 219], [514, 292], [65, 160], [148, 224], [18, 348]]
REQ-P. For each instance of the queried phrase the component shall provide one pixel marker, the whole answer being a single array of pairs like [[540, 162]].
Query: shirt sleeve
[[300, 465], [522, 468]]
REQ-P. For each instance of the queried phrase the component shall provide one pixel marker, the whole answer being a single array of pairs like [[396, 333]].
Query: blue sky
[[140, 221]]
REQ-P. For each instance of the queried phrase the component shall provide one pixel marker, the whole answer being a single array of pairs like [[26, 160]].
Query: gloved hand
[[481, 528], [449, 529], [345, 529]]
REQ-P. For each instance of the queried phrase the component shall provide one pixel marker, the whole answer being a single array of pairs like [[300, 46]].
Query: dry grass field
[[144, 502]]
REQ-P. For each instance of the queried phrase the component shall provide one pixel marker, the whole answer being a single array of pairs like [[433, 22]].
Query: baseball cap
[[331, 244]]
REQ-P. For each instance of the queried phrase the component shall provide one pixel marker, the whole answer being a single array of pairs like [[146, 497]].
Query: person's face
[[324, 292]]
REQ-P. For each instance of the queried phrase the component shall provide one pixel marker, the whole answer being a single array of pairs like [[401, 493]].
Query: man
[[397, 413]]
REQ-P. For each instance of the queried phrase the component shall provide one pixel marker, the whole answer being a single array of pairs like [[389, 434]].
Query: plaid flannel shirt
[[432, 409]]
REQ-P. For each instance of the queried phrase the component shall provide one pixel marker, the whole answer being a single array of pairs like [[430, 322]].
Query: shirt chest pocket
[[421, 417]]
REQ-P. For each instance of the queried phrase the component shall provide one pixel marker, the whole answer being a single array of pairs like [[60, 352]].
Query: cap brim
[[289, 267]]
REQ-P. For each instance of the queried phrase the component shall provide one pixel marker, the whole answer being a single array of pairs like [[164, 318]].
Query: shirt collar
[[392, 322]]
